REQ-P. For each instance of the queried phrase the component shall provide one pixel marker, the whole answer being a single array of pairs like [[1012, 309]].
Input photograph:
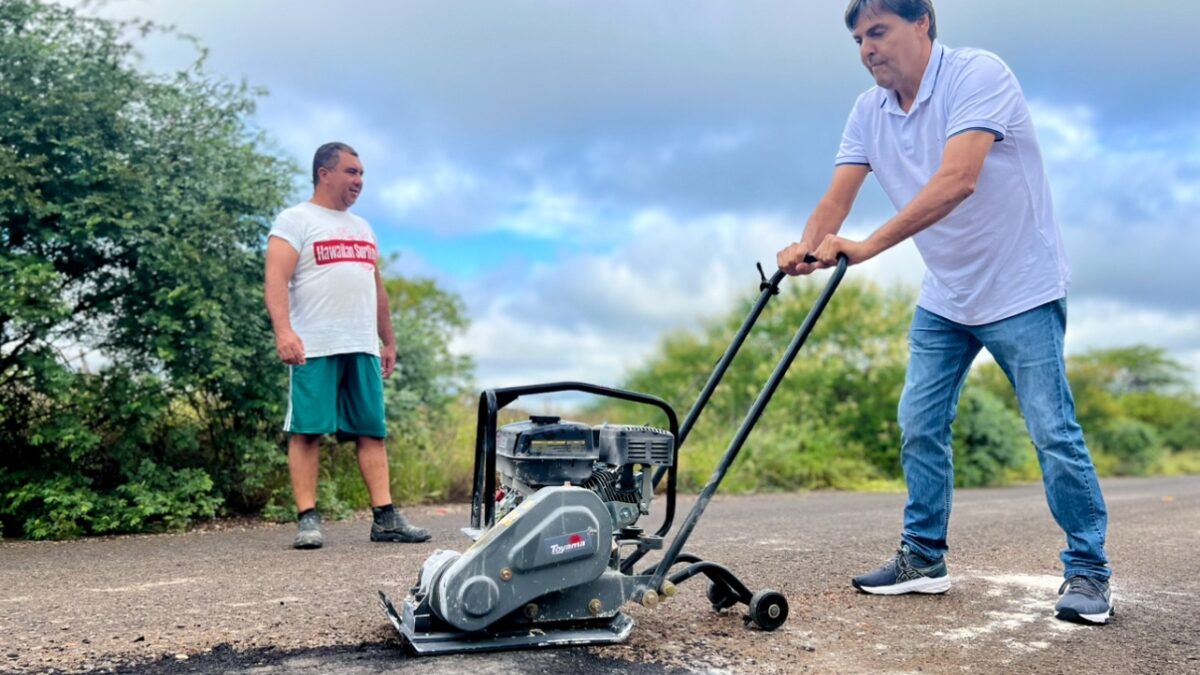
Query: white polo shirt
[[1000, 251]]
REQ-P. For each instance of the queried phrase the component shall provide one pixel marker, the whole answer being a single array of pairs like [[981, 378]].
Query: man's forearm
[[935, 201], [826, 219], [383, 315], [276, 297]]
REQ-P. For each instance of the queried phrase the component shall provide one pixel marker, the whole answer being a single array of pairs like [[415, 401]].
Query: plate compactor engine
[[554, 518], [546, 451], [564, 490]]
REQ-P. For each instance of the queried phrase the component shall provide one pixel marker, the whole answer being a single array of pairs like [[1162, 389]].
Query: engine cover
[[557, 538], [545, 451]]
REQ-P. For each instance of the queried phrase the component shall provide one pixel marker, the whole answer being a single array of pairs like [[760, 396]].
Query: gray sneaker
[[309, 534], [905, 573], [1084, 600], [395, 528]]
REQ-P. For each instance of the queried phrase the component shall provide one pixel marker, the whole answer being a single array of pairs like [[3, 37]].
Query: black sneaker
[[906, 573], [391, 526], [309, 534], [1086, 600]]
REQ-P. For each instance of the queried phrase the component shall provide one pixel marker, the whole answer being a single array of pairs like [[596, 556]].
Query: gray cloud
[[566, 120], [480, 84]]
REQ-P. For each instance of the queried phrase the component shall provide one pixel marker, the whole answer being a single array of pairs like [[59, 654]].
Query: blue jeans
[[1029, 348]]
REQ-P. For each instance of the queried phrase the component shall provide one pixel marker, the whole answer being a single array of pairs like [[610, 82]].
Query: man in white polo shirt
[[949, 137]]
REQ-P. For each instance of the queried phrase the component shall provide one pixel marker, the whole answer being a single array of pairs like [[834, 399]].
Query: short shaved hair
[[326, 157]]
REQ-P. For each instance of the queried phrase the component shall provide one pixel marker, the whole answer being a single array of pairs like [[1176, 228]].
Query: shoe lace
[[1086, 586], [903, 564]]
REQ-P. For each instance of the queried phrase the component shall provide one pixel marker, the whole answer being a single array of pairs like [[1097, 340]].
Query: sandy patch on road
[[1027, 600]]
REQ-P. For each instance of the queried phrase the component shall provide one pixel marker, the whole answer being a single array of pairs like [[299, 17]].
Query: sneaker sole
[[307, 544], [399, 538], [932, 586], [1095, 619]]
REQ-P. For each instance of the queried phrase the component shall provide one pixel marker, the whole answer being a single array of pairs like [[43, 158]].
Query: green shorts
[[338, 394]]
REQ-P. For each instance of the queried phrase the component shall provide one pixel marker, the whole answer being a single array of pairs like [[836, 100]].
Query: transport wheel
[[720, 596], [768, 609]]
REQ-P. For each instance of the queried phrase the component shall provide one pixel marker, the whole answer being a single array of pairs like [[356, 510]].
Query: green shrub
[[1185, 463], [1132, 444], [154, 498], [989, 440]]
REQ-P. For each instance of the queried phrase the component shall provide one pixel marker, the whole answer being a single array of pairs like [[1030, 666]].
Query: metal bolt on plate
[[649, 599]]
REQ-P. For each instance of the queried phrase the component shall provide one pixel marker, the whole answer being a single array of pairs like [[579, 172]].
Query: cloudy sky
[[590, 174]]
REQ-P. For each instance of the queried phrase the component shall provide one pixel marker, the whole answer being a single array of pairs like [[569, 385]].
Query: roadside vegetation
[[140, 392], [832, 424]]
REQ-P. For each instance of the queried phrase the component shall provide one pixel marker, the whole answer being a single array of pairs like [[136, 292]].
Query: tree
[[832, 422], [426, 319], [429, 398], [135, 357], [1138, 368]]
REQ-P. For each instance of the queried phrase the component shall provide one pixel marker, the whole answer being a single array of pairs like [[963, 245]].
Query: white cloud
[[1065, 134], [595, 316], [301, 132], [592, 316], [1105, 324], [440, 181], [1129, 208], [728, 140], [545, 213], [559, 120]]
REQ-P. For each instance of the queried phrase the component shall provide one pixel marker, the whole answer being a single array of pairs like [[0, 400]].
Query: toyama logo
[[568, 546], [574, 543]]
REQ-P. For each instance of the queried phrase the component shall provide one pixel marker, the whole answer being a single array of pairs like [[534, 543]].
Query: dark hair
[[326, 157], [909, 10]]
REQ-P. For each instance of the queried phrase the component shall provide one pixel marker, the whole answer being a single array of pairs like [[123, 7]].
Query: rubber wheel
[[768, 609], [720, 596]]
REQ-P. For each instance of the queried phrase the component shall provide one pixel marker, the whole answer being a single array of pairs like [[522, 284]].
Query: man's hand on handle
[[792, 260], [855, 251], [799, 258]]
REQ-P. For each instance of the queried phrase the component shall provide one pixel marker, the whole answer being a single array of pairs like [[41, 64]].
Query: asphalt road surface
[[234, 598]]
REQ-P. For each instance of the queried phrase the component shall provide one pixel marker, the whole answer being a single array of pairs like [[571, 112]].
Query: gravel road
[[233, 598]]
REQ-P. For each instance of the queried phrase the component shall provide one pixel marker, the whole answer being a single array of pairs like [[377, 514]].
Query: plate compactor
[[556, 542]]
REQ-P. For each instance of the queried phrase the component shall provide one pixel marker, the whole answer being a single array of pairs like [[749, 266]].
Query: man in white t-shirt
[[325, 295], [949, 137]]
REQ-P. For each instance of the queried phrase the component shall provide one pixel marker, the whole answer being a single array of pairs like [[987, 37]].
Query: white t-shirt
[[332, 292], [1000, 251]]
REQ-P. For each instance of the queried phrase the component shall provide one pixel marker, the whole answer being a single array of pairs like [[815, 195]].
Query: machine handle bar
[[743, 432]]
